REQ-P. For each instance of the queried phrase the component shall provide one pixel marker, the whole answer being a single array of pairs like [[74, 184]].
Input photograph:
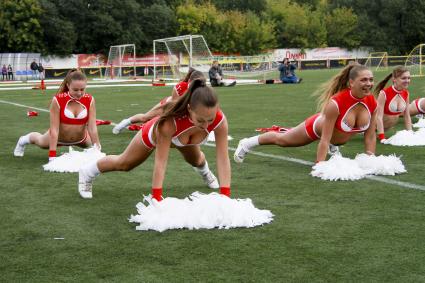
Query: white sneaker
[[333, 149], [19, 149], [85, 184], [119, 127], [240, 152], [210, 180]]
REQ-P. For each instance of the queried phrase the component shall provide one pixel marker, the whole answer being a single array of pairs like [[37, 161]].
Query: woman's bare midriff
[[71, 133], [390, 121]]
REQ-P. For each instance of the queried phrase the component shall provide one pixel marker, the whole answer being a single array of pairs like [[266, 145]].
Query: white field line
[[280, 157], [309, 163], [89, 86]]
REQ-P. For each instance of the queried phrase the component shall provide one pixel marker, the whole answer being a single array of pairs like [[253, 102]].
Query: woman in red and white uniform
[[178, 90], [183, 124], [393, 101], [348, 108], [72, 119], [417, 107]]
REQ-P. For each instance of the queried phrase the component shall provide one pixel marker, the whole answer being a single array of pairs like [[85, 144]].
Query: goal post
[[377, 60], [174, 55], [257, 67], [415, 61], [121, 61]]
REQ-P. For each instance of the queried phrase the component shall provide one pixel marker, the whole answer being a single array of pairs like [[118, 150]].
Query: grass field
[[363, 231]]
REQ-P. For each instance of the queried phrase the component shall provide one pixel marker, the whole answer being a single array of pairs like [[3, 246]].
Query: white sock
[[24, 140], [125, 122], [203, 169], [92, 170], [251, 142]]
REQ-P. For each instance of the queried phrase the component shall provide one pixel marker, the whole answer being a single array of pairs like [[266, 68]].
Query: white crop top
[[347, 128], [393, 105], [69, 114]]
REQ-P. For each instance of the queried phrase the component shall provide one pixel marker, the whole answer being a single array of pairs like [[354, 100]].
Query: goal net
[[173, 56], [121, 61], [256, 67], [377, 60], [414, 61]]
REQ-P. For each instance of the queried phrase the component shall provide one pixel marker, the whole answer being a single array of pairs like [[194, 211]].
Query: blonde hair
[[337, 83], [72, 75], [397, 72]]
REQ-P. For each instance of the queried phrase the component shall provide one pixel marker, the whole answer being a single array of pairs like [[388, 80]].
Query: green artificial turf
[[361, 231]]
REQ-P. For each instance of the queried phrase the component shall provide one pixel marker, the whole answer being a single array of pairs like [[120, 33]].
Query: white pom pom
[[341, 168], [407, 138], [198, 211], [338, 168], [73, 160], [420, 123], [380, 165]]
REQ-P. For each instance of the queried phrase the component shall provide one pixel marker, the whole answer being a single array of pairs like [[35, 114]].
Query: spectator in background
[[4, 72], [41, 71], [287, 72], [9, 73], [34, 69], [216, 75]]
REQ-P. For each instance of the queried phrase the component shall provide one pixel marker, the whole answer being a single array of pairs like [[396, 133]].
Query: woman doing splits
[[348, 108], [178, 90], [184, 124], [72, 119], [393, 101]]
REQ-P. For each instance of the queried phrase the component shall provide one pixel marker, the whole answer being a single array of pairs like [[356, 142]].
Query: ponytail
[[189, 73], [397, 72], [197, 94], [337, 83], [197, 75], [381, 85]]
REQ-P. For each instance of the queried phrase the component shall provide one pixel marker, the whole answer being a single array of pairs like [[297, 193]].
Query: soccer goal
[[414, 61], [377, 60], [248, 67], [174, 55], [121, 61]]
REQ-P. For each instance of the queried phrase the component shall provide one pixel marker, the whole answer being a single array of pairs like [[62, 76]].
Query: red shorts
[[146, 132], [310, 122], [418, 105]]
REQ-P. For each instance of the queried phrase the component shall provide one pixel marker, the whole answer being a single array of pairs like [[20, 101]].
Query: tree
[[227, 32], [255, 6], [341, 24], [157, 21], [20, 29], [59, 35]]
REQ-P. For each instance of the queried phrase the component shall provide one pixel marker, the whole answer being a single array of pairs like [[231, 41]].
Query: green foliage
[[20, 29], [61, 36], [345, 231], [157, 21], [255, 6], [226, 32], [341, 24], [237, 26]]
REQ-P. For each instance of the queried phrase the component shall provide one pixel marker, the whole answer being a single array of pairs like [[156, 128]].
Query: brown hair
[[197, 75], [197, 94], [189, 73], [337, 83], [72, 75], [397, 72]]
